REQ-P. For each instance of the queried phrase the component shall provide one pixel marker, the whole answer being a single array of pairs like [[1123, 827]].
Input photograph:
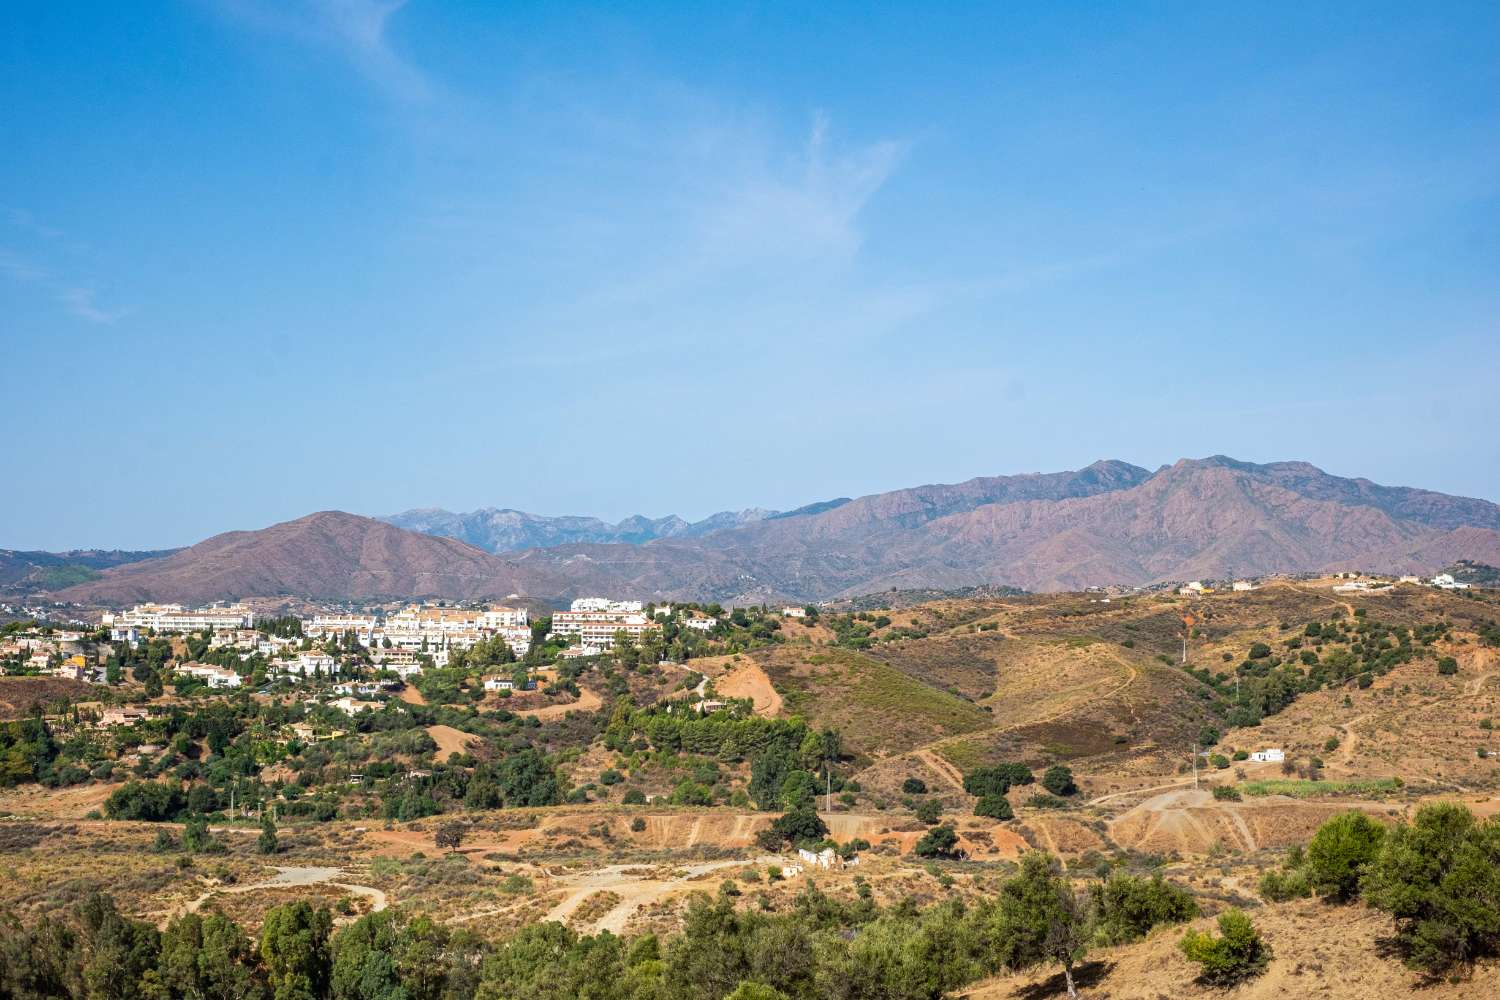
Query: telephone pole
[[1195, 763]]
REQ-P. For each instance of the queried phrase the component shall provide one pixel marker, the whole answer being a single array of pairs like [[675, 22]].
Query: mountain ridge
[[1108, 523]]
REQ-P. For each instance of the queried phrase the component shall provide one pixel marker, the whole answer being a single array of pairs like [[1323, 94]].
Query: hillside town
[[230, 645]]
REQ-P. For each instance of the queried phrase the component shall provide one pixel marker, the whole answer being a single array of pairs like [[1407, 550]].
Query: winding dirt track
[[942, 767], [289, 878]]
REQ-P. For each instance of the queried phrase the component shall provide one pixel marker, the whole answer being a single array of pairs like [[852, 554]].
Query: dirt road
[[635, 889], [289, 878]]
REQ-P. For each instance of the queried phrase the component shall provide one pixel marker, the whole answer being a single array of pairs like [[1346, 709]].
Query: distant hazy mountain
[[1109, 523], [24, 572], [503, 530]]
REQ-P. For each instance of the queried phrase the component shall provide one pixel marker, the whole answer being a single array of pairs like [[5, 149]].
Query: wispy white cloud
[[358, 30], [78, 299]]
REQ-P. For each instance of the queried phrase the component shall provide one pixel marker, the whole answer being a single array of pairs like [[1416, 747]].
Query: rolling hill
[[503, 530], [1109, 523], [329, 554]]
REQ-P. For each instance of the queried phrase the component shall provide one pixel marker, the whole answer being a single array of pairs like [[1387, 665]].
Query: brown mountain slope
[[328, 554], [1110, 523]]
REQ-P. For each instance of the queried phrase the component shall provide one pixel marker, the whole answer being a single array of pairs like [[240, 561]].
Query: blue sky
[[263, 258]]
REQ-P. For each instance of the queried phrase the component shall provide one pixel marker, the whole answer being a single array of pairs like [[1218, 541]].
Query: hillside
[[1109, 523], [329, 554], [25, 572], [503, 530]]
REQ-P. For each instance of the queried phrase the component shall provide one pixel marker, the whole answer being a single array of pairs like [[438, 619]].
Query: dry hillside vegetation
[[1030, 681]]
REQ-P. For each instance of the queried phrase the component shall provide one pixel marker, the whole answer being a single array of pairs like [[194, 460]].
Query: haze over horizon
[[258, 260]]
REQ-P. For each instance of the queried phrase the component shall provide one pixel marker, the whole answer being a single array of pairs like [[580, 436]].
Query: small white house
[[791, 612], [214, 677], [701, 624], [499, 684], [1446, 582], [1272, 755], [1243, 585]]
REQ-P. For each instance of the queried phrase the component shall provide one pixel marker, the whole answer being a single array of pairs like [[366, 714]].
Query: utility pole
[[1195, 763], [828, 773]]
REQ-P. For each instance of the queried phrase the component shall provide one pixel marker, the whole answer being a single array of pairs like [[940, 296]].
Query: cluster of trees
[[790, 763], [1324, 654], [27, 751], [821, 948], [1437, 876]]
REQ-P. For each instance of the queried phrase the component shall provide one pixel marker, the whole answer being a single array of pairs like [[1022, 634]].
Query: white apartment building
[[701, 624], [309, 662], [176, 618], [325, 626], [605, 604], [598, 628], [419, 626]]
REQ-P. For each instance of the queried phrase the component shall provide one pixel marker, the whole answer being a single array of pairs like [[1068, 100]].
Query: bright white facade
[[176, 618], [605, 604], [214, 677]]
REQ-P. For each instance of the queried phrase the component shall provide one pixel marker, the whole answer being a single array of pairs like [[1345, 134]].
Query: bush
[[1227, 793], [1237, 954], [929, 811], [1439, 877], [994, 807], [996, 780], [939, 842], [1058, 780], [799, 827], [634, 797], [1447, 666], [1278, 887], [1339, 853], [914, 786], [145, 800], [638, 824], [1127, 907]]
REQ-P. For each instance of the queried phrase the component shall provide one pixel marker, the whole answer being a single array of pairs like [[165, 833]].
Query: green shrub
[[1339, 852], [914, 786], [1235, 955], [1280, 886], [1127, 907], [994, 807], [1058, 780], [939, 842], [1439, 877], [929, 811], [1227, 793]]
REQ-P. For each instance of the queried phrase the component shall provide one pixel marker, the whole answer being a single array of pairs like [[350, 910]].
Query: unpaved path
[[289, 878], [1351, 740], [943, 768], [749, 680], [1132, 674], [635, 889], [1140, 791], [587, 701], [412, 696]]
